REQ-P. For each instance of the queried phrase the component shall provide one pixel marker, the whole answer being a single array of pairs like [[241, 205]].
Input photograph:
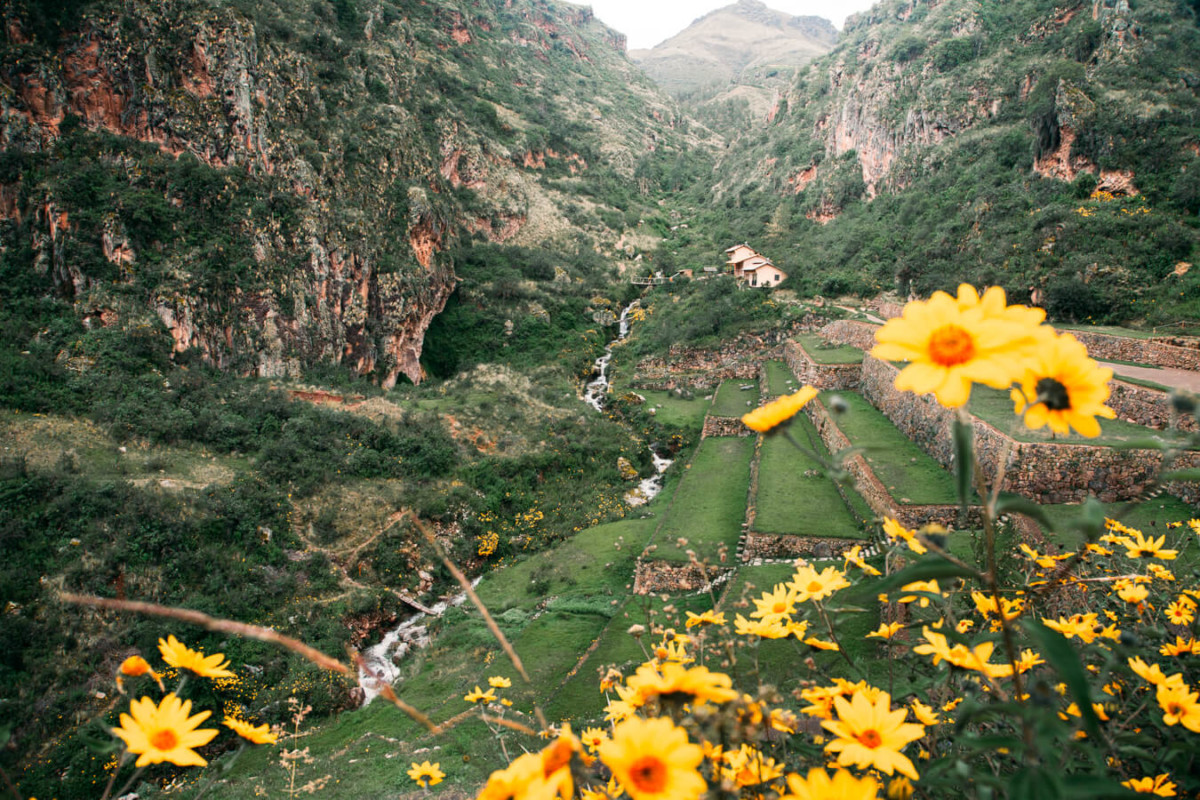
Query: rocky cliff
[[927, 100], [277, 182]]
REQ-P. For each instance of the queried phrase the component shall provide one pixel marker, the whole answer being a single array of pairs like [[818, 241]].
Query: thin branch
[[388, 693]]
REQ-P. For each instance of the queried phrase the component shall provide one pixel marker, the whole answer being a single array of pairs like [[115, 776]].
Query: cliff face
[[284, 178]]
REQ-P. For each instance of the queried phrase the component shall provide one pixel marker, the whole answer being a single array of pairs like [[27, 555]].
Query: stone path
[[1164, 376]]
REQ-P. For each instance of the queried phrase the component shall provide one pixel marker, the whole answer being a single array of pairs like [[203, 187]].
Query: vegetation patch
[[710, 504], [734, 398], [823, 352]]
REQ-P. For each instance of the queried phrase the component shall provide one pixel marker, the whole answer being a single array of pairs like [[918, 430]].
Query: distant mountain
[[745, 43]]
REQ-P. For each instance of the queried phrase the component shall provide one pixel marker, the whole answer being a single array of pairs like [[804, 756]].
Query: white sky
[[648, 22]]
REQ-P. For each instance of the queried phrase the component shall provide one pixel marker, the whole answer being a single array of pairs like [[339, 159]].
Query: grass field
[[710, 504], [995, 407], [794, 494], [822, 352], [1109, 330], [732, 401], [910, 475], [672, 410], [780, 380]]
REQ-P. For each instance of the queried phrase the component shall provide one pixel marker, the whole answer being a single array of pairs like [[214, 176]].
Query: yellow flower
[[899, 788], [778, 602], [885, 631], [780, 410], [894, 530], [927, 587], [820, 644], [674, 679], [1151, 673], [1131, 592], [1141, 546], [522, 778], [1063, 388], [178, 655], [135, 666], [871, 734], [819, 786], [1180, 647], [258, 734], [1180, 613], [854, 556], [767, 629], [164, 732], [949, 346], [479, 696], [925, 715], [499, 682], [1159, 785], [1179, 706], [593, 737], [653, 760], [812, 585], [426, 774], [709, 617]]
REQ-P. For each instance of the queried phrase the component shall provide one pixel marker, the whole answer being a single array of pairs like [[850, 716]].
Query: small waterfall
[[597, 388], [649, 488], [384, 658]]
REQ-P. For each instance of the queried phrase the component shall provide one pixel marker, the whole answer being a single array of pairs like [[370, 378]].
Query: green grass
[[1142, 382], [794, 494], [780, 380], [672, 410], [593, 562], [995, 407], [822, 352], [710, 504], [908, 472], [731, 401], [1109, 330], [580, 697], [1149, 517]]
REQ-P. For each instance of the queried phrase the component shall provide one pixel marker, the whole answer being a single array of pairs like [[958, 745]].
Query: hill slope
[[747, 44], [1032, 144]]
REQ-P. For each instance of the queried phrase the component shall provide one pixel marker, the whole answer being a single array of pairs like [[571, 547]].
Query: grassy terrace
[[794, 495], [822, 352], [910, 475], [780, 380], [1108, 330], [995, 407], [1150, 517], [732, 401], [674, 410], [710, 504]]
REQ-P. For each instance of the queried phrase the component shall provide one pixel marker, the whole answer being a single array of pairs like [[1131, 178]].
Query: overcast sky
[[648, 22]]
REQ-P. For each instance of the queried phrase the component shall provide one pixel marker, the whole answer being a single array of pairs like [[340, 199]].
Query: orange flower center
[[648, 774], [815, 587], [950, 346], [164, 740], [870, 738], [1174, 709], [779, 607]]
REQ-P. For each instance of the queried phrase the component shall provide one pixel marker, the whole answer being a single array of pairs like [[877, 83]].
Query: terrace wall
[[1146, 406], [724, 426], [1043, 471], [704, 368], [822, 376], [1140, 351], [855, 334]]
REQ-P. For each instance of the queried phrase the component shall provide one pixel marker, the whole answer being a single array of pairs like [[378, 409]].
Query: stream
[[383, 659], [594, 394]]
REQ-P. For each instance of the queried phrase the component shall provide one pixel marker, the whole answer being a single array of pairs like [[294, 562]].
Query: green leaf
[[1015, 504], [1192, 474], [964, 458], [1034, 783], [1060, 654], [1091, 522], [930, 567], [1096, 786]]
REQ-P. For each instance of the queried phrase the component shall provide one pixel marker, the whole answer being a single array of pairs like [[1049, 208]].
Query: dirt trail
[[1164, 376]]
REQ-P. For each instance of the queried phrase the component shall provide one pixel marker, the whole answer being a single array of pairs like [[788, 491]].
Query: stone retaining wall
[[1047, 472], [1140, 351], [704, 369], [822, 376], [724, 426], [651, 577], [1145, 406], [850, 332]]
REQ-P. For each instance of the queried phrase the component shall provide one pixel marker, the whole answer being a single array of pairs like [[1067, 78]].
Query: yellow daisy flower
[[164, 732], [885, 631], [180, 656], [426, 773], [948, 347], [818, 785], [812, 585], [871, 734], [136, 666], [480, 696], [766, 417], [709, 617], [1063, 388], [653, 760], [258, 734], [1158, 785], [499, 682]]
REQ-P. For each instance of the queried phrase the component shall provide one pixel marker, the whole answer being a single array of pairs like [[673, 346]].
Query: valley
[[275, 274]]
